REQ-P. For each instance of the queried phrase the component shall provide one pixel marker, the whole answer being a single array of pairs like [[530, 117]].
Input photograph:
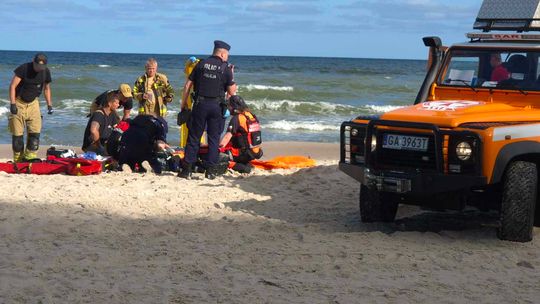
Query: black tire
[[376, 206], [537, 216], [520, 185]]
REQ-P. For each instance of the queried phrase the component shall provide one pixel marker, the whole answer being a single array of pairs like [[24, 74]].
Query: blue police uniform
[[211, 78]]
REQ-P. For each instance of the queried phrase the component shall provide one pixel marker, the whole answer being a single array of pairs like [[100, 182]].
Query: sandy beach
[[283, 236]]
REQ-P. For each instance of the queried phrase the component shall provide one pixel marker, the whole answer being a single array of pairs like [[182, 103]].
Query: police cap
[[218, 44]]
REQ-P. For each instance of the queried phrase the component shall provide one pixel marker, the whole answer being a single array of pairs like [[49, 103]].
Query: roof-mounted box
[[509, 15]]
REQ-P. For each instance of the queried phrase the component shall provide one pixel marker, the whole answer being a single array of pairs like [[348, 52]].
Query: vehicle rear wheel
[[520, 186], [376, 206]]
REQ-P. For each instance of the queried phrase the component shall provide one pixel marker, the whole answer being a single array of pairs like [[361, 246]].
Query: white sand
[[289, 236]]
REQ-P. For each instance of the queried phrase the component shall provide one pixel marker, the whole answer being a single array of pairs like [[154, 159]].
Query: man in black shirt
[[211, 78], [29, 81], [124, 96], [100, 126]]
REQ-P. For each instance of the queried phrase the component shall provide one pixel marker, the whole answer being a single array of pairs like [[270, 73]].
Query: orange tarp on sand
[[284, 162]]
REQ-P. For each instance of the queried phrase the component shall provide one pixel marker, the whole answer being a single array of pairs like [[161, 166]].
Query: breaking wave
[[316, 108], [252, 87], [287, 125]]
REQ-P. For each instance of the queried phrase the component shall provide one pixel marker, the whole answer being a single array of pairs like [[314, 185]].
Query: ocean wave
[[301, 107], [76, 104], [251, 87], [3, 110], [306, 108], [104, 66], [287, 125]]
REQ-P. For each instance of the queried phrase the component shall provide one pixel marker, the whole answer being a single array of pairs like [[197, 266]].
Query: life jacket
[[248, 138]]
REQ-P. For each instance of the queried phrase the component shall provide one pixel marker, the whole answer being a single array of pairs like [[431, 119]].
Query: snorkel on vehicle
[[436, 55]]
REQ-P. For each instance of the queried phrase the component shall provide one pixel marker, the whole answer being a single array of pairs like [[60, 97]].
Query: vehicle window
[[492, 69], [462, 70]]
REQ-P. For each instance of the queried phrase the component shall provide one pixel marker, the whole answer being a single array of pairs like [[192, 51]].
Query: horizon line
[[232, 55]]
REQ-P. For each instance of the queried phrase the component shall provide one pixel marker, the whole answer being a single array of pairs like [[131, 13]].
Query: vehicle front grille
[[386, 158]]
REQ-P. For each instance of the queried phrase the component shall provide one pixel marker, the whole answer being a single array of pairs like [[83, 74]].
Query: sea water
[[295, 98]]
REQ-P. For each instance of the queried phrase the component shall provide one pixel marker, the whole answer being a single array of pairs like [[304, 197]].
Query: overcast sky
[[338, 28]]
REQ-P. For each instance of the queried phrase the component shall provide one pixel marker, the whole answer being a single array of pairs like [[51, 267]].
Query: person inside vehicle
[[124, 96], [100, 126], [243, 136], [146, 135], [499, 72]]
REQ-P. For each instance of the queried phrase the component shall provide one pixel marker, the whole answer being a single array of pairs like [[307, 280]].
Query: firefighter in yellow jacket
[[153, 91], [188, 68]]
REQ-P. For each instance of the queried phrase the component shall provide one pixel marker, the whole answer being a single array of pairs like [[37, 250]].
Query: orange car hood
[[452, 113]]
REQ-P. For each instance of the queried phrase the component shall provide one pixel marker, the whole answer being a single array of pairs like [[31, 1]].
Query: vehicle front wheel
[[376, 206], [520, 186]]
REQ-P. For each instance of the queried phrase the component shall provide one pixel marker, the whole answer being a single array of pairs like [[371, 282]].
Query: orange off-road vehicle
[[472, 136]]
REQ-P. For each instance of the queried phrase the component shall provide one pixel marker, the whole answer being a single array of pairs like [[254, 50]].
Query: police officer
[[211, 78], [29, 81]]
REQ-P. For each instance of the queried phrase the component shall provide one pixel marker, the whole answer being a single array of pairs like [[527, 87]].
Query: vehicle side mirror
[[432, 41]]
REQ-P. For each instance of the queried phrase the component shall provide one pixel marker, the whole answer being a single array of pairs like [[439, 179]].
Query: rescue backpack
[[248, 139]]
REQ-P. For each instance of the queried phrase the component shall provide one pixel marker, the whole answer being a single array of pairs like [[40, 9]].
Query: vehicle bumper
[[412, 183]]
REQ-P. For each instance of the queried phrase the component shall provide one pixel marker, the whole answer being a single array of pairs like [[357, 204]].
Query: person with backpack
[[243, 137], [29, 81]]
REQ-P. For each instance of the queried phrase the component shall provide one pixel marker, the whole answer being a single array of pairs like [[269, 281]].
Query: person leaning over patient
[[153, 91], [100, 126], [124, 96], [243, 136], [146, 136]]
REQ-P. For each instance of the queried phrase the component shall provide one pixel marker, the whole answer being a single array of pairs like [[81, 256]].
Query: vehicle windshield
[[501, 69]]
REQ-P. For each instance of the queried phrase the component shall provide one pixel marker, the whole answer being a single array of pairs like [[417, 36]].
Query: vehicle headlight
[[463, 151], [354, 132], [373, 143]]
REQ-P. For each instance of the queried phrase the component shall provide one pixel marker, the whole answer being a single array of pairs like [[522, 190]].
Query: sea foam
[[251, 87], [287, 125]]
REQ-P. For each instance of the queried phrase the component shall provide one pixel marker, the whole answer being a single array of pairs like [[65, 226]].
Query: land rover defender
[[472, 136]]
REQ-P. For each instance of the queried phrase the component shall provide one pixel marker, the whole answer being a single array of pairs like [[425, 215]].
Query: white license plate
[[405, 142]]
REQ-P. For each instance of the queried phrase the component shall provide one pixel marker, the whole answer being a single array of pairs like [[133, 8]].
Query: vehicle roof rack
[[504, 15], [500, 36]]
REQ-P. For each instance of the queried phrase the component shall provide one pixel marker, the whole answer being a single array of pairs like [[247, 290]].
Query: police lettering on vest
[[211, 78]]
